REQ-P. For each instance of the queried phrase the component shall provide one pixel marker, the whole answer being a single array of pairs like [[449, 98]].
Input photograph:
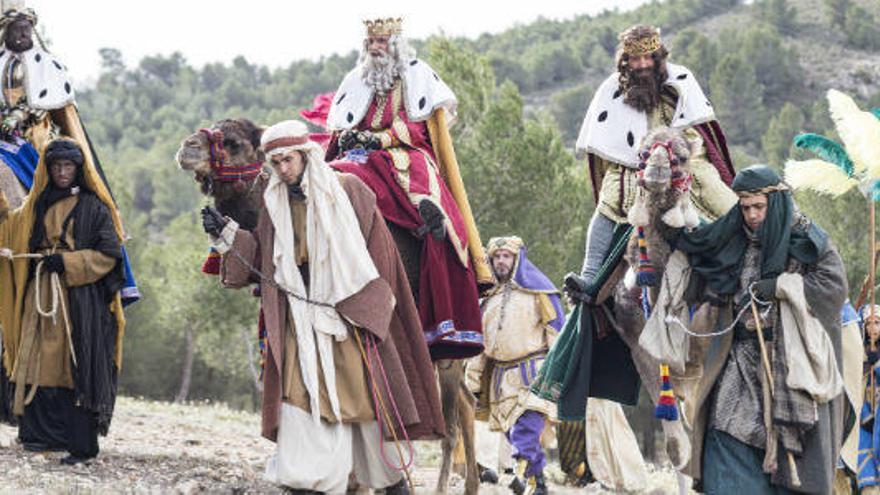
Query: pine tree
[[837, 12], [780, 14], [738, 100], [695, 51], [783, 127], [861, 28]]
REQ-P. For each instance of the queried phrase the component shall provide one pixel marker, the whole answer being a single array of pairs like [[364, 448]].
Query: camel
[[234, 143], [662, 207]]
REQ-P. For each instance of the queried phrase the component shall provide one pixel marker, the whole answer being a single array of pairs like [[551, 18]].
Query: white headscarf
[[339, 263]]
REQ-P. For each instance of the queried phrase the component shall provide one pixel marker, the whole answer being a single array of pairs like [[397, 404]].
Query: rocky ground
[[158, 447]]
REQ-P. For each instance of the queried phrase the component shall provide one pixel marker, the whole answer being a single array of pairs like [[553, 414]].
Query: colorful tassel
[[645, 275], [212, 263], [666, 407]]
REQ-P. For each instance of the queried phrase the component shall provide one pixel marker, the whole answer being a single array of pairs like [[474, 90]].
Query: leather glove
[[575, 287], [54, 263], [433, 219], [372, 142], [352, 139], [212, 221], [765, 289], [347, 140]]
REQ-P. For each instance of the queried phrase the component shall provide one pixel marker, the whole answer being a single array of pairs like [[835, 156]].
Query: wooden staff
[[795, 479]]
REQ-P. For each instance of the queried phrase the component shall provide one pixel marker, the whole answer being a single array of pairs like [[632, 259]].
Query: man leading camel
[[389, 123], [344, 347], [769, 407]]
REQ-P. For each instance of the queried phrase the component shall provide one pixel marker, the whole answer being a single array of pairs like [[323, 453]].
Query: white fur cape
[[424, 92], [614, 130], [47, 84]]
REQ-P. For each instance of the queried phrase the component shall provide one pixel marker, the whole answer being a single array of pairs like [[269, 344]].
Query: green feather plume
[[826, 149], [876, 112]]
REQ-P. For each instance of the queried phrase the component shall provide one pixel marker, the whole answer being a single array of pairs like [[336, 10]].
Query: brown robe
[[384, 308], [49, 364]]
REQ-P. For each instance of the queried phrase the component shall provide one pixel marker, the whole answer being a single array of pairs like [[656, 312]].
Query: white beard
[[380, 72]]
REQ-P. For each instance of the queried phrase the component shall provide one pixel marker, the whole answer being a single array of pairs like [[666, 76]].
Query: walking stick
[[872, 274], [795, 479]]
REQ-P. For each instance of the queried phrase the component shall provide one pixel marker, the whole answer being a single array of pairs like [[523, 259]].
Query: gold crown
[[641, 46], [384, 27]]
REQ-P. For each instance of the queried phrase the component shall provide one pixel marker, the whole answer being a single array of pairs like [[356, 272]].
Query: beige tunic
[[517, 335], [45, 348], [352, 387]]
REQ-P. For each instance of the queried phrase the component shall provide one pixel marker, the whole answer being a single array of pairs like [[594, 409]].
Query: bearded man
[[646, 92], [37, 105], [389, 122], [769, 409], [521, 317], [60, 307], [342, 330]]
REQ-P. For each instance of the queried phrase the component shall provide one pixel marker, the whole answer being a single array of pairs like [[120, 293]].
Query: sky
[[271, 32]]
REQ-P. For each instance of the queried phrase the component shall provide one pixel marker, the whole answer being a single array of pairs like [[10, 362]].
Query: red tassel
[[211, 266]]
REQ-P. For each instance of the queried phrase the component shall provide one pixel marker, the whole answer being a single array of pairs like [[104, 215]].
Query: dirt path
[[163, 448]]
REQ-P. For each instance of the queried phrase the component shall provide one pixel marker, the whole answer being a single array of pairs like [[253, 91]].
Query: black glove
[[347, 140], [575, 287], [352, 139], [54, 263], [212, 221], [765, 289], [433, 219], [372, 142]]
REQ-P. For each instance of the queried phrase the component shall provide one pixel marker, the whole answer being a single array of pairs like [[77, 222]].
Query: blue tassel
[[666, 412], [646, 278]]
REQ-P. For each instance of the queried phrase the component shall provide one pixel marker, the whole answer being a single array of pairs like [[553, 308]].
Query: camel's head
[[223, 157], [664, 160]]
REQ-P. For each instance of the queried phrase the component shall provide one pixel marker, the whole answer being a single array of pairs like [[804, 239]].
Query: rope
[[270, 281], [379, 404], [674, 320], [57, 292]]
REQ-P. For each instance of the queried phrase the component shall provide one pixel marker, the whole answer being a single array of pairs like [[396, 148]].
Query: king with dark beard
[[646, 92]]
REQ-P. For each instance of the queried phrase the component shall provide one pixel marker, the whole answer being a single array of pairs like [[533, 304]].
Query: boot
[[540, 485], [72, 460], [399, 488], [487, 475], [519, 483]]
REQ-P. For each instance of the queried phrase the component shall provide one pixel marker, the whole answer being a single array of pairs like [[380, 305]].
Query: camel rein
[[369, 355], [57, 292], [671, 319]]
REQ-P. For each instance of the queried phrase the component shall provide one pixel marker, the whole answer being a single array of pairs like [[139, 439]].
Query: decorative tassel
[[666, 407], [645, 277], [212, 263]]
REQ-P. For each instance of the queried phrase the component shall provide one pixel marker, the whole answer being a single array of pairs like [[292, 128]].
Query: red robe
[[402, 174]]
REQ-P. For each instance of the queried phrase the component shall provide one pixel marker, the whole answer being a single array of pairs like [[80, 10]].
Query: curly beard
[[380, 72], [642, 87]]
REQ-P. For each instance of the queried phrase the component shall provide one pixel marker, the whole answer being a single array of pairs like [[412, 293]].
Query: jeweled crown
[[641, 46], [384, 27]]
